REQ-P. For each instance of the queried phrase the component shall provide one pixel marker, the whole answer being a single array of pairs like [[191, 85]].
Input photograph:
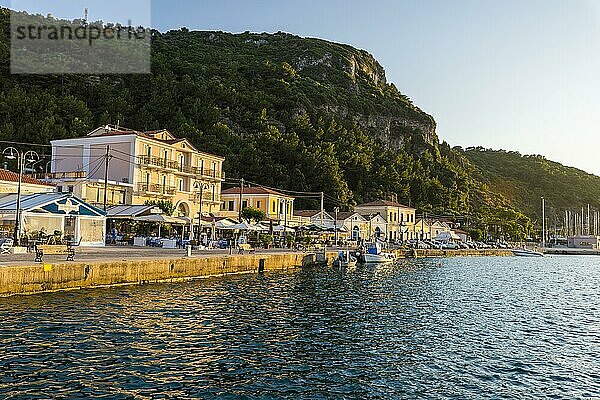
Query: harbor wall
[[37, 278], [435, 253], [48, 277]]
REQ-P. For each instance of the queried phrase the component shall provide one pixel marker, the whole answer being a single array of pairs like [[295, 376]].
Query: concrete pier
[[105, 267], [47, 277], [435, 253]]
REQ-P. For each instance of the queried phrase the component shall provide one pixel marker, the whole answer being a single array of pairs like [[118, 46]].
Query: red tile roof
[[306, 213], [9, 176], [254, 190], [382, 203], [342, 215]]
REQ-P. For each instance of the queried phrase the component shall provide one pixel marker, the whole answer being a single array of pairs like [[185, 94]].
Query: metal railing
[[210, 173], [158, 162], [183, 168], [61, 175], [205, 196], [155, 188]]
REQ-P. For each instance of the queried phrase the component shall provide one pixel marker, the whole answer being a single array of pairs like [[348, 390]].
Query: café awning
[[165, 219]]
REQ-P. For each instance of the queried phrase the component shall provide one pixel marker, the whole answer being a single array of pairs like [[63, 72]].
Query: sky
[[505, 74]]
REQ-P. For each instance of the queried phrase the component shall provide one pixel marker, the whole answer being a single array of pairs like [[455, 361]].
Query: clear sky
[[514, 74]]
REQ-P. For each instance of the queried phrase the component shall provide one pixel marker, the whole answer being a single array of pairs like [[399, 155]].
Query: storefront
[[55, 212]]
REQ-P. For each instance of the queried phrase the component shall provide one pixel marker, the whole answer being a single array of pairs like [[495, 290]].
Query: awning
[[131, 211], [165, 219]]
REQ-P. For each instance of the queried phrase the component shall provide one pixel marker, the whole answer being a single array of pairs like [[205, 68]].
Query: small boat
[[374, 255], [527, 253], [379, 258], [344, 260]]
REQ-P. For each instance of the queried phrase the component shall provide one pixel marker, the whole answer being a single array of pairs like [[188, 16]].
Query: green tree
[[166, 206], [253, 214]]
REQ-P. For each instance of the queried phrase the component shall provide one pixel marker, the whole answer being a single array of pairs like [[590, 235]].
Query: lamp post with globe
[[11, 153]]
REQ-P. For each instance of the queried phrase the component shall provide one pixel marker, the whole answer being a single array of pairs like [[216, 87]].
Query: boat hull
[[527, 253], [344, 264], [378, 258]]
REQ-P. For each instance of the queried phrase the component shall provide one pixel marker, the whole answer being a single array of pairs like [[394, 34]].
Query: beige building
[[377, 226], [151, 165], [9, 183], [584, 242], [316, 217], [356, 225], [276, 206], [400, 219], [429, 228]]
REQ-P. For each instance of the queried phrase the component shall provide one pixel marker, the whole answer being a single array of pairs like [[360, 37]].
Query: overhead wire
[[295, 193]]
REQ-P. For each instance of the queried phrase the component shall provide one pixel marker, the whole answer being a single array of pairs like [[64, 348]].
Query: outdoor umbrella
[[242, 226], [281, 228], [161, 219]]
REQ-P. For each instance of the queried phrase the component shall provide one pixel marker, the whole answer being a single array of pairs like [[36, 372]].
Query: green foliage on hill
[[285, 111], [524, 179]]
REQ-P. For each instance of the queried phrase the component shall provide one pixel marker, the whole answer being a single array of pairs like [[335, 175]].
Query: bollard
[[188, 249]]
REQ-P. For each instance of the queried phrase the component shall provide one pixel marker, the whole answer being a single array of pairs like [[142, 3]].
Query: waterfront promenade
[[113, 266]]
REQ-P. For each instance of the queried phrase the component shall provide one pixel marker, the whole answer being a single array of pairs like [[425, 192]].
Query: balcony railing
[[61, 175], [158, 162], [155, 188], [210, 173], [207, 196], [183, 168]]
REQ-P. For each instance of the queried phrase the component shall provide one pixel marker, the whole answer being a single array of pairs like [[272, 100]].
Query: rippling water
[[452, 328]]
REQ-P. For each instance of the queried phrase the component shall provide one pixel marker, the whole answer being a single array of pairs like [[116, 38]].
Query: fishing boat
[[374, 255], [344, 260], [527, 253]]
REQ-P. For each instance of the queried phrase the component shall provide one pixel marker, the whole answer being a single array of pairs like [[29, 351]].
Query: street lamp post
[[31, 156], [200, 186]]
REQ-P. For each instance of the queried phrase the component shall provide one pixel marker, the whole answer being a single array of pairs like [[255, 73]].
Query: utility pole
[[543, 223], [107, 158], [336, 210], [242, 198], [322, 208], [285, 216]]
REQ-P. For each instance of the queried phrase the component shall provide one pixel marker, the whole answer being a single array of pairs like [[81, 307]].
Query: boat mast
[[543, 223]]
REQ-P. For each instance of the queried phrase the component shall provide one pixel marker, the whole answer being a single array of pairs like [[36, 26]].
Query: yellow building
[[276, 206], [400, 219], [9, 183], [151, 165]]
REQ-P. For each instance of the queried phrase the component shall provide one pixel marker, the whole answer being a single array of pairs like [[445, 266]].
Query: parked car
[[433, 244], [422, 245], [449, 246]]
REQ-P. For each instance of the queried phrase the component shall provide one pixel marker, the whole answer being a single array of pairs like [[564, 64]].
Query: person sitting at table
[[42, 234], [114, 233]]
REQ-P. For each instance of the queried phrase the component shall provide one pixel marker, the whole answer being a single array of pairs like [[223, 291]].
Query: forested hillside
[[524, 179], [296, 113]]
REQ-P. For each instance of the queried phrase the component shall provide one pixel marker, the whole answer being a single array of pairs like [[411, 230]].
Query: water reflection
[[455, 328]]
